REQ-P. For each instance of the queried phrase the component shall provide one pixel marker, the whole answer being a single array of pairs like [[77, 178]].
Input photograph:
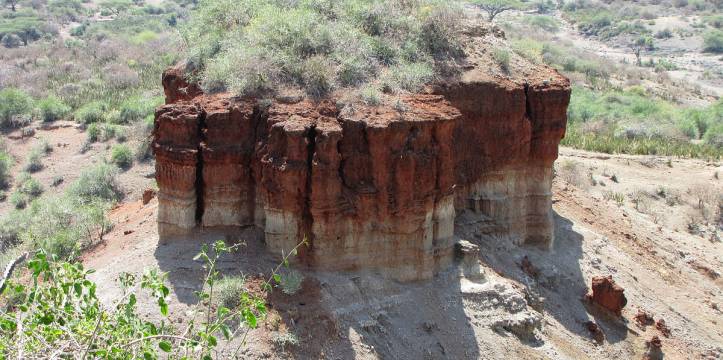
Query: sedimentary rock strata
[[370, 187]]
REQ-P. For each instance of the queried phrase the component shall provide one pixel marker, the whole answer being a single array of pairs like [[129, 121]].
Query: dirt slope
[[666, 271]]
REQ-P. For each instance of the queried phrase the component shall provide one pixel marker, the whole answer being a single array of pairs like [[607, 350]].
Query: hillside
[[402, 158]]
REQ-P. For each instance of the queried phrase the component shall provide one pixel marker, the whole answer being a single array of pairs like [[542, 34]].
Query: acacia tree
[[641, 44], [496, 7]]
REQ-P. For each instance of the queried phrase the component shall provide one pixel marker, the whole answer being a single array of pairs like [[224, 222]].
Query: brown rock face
[[608, 294], [369, 187]]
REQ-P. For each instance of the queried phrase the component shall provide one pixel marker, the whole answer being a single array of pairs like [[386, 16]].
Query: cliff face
[[369, 187]]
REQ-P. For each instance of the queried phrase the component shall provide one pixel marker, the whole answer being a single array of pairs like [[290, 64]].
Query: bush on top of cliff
[[252, 47]]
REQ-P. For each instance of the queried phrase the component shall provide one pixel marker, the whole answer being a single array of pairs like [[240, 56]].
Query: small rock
[[467, 255], [662, 327], [595, 331], [607, 294], [148, 195], [643, 319], [428, 326], [654, 351], [127, 232]]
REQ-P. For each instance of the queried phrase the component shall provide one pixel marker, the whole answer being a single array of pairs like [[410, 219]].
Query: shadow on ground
[[335, 316], [561, 281]]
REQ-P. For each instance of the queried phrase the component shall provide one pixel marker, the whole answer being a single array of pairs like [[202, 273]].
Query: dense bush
[[93, 132], [98, 182], [632, 121], [51, 109], [91, 112], [502, 57], [547, 23], [29, 186], [664, 34], [34, 161], [23, 26], [256, 46], [713, 41], [62, 225], [137, 108], [14, 103], [6, 162], [122, 156], [27, 189]]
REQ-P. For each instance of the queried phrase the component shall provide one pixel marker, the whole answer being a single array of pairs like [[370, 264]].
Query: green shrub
[[63, 226], [11, 41], [19, 200], [52, 109], [29, 186], [502, 58], [11, 227], [34, 161], [13, 103], [6, 162], [229, 290], [664, 34], [547, 23], [98, 182], [113, 117], [318, 76], [715, 21], [713, 41], [93, 132], [371, 96], [136, 109], [121, 156], [144, 37], [254, 47], [110, 131], [91, 112], [407, 77], [26, 190]]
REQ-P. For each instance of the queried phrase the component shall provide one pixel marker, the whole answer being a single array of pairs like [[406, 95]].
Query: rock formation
[[607, 294], [368, 187]]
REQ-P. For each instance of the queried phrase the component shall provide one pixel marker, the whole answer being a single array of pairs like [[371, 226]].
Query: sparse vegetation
[[34, 161], [633, 123], [502, 57], [122, 156], [51, 322], [285, 340], [496, 7], [619, 198], [6, 162], [230, 289], [255, 47], [97, 183], [713, 41]]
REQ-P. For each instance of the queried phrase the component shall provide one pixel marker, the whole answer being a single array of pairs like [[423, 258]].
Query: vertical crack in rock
[[367, 189], [528, 106], [199, 166], [258, 117], [307, 217]]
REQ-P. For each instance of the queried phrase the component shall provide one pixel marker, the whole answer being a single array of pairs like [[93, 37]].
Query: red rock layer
[[369, 187]]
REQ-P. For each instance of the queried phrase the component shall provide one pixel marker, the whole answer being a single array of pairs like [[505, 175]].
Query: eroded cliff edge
[[369, 187]]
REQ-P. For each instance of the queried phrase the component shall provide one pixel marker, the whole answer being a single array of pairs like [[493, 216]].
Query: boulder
[[607, 294]]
